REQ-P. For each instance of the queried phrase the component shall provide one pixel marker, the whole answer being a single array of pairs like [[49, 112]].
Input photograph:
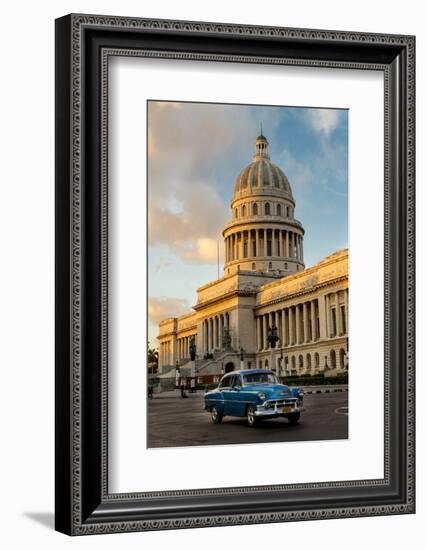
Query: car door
[[228, 395], [238, 397]]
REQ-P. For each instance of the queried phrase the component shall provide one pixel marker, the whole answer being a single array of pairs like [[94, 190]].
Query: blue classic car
[[254, 394]]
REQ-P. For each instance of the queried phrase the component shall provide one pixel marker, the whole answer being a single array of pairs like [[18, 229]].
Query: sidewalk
[[330, 388]]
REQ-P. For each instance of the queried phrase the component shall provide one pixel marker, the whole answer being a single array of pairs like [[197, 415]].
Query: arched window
[[278, 209], [308, 361], [286, 265], [253, 266], [333, 359], [270, 265], [293, 365], [317, 360], [266, 364], [243, 210], [300, 362], [267, 209], [236, 212], [287, 212], [255, 209], [342, 358]]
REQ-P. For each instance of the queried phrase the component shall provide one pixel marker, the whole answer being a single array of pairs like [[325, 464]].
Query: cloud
[[161, 307], [323, 121], [189, 144]]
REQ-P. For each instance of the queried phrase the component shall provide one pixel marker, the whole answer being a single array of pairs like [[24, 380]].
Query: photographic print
[[248, 274]]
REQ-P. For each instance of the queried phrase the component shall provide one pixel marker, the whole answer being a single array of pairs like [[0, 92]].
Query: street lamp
[[281, 362], [241, 358]]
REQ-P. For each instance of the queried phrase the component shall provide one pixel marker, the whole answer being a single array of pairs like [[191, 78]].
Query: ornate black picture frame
[[83, 45]]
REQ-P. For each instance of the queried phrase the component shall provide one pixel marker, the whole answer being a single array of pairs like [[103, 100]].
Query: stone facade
[[265, 285]]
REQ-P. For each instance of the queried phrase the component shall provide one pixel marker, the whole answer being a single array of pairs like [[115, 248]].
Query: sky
[[195, 153]]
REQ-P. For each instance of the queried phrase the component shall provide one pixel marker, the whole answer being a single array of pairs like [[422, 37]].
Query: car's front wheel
[[251, 416], [293, 418], [216, 416]]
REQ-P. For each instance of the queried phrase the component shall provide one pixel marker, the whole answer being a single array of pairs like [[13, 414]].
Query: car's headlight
[[261, 395]]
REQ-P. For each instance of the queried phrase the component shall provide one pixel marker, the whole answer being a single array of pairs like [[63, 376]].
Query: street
[[177, 422]]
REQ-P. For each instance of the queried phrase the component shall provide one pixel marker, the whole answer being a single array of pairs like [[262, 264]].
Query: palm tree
[[152, 359]]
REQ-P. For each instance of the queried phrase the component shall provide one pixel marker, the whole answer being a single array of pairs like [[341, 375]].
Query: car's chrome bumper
[[278, 409]]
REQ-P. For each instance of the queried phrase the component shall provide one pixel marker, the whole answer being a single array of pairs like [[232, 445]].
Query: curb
[[334, 390]]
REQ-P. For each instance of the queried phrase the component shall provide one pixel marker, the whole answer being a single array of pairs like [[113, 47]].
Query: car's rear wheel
[[251, 416], [293, 418], [216, 416]]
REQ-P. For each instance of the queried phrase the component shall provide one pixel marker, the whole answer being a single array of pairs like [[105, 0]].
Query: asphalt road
[[177, 422]]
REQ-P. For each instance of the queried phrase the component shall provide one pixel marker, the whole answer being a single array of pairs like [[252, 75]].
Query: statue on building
[[226, 339], [273, 336]]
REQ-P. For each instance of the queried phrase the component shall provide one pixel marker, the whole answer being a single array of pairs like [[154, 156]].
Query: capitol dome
[[262, 174], [264, 235]]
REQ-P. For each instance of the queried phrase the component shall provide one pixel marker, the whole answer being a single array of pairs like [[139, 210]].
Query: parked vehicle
[[254, 394]]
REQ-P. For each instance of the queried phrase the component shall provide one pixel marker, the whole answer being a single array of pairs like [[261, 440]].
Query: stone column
[[305, 322], [259, 333], [272, 242], [313, 321], [329, 318], [346, 295], [249, 249], [265, 242], [257, 244], [286, 245], [283, 328], [322, 312], [265, 331], [338, 324], [290, 326], [297, 324]]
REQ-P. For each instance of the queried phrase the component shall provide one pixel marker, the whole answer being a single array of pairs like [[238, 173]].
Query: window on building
[[287, 212], [236, 212], [270, 265], [253, 266], [317, 360], [244, 249], [267, 209], [269, 247], [254, 209], [333, 322], [342, 358], [243, 210], [343, 318], [279, 210], [286, 265]]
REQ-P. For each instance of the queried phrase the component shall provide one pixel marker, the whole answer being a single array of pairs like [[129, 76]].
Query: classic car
[[254, 394]]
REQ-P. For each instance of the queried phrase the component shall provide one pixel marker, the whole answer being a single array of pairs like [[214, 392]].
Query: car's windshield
[[260, 378]]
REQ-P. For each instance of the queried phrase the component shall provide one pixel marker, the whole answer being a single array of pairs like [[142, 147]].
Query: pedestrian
[[182, 389], [192, 385]]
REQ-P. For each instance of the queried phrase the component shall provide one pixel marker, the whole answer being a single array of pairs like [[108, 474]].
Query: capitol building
[[266, 288]]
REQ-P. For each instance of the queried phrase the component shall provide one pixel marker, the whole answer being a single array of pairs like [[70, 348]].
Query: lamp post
[[272, 341], [280, 368], [177, 374], [241, 358]]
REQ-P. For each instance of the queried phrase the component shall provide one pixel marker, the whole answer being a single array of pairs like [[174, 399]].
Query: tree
[[152, 359]]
